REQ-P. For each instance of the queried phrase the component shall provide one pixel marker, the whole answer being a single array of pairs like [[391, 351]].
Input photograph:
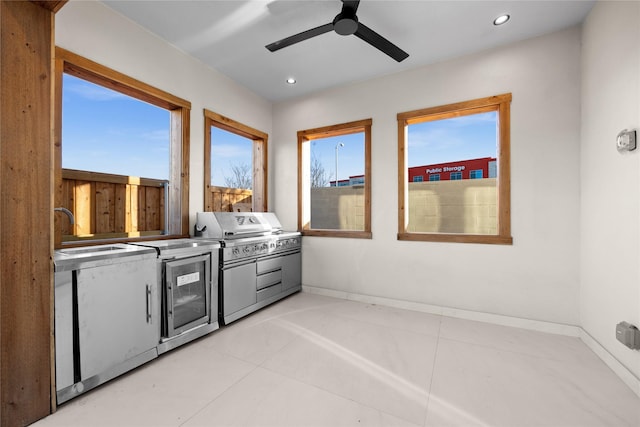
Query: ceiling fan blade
[[376, 40], [350, 4], [288, 41]]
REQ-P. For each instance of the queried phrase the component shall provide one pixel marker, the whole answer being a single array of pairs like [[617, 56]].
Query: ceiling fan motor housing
[[345, 23]]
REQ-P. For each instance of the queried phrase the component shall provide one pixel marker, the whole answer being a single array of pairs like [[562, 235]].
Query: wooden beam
[[51, 5], [26, 244]]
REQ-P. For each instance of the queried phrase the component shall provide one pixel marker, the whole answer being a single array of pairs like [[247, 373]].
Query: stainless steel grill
[[259, 263]]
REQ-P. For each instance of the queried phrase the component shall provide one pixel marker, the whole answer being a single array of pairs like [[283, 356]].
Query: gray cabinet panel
[[239, 288], [64, 329], [118, 314], [291, 270]]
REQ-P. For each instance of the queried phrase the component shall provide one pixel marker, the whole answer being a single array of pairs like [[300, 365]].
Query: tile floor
[[310, 360]]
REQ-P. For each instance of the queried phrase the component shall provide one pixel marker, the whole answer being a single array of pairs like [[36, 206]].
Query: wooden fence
[[111, 206], [223, 199]]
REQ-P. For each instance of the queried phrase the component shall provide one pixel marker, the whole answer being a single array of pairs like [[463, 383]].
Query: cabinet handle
[[148, 290]]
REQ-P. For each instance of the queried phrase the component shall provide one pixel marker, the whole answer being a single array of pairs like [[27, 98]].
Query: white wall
[[576, 235], [575, 207], [94, 31], [610, 182], [537, 277]]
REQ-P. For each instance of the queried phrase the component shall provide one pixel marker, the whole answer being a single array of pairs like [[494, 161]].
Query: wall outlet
[[628, 335], [626, 140]]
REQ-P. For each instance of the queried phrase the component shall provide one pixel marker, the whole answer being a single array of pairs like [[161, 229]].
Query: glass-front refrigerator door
[[187, 286]]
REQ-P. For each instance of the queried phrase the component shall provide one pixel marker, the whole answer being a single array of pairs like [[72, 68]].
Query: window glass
[[231, 160], [476, 174], [337, 162], [110, 132], [334, 187], [452, 148], [460, 147], [236, 176], [119, 167]]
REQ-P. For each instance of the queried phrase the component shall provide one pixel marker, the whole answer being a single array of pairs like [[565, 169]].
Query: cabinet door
[[118, 314], [291, 271], [239, 288], [187, 285]]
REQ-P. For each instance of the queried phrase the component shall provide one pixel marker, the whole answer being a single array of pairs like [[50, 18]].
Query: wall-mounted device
[[628, 335], [626, 140]]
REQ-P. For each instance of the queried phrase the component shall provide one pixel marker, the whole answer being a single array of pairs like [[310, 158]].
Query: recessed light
[[501, 19], [291, 81]]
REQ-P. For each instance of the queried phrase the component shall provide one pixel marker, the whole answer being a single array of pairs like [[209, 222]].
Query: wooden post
[[26, 216]]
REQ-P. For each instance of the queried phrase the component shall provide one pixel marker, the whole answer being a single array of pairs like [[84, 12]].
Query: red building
[[484, 167]]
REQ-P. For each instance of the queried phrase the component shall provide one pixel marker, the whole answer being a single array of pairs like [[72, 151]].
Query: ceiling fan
[[345, 23]]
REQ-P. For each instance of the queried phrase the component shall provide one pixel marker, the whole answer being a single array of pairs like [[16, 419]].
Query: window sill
[[457, 238], [338, 233], [110, 240]]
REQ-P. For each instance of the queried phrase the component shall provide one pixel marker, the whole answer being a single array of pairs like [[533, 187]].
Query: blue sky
[[460, 138], [105, 131], [350, 156], [440, 141], [227, 150]]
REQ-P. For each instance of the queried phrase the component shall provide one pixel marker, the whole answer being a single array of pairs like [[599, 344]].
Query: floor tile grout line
[[222, 393], [317, 387], [300, 337], [433, 373]]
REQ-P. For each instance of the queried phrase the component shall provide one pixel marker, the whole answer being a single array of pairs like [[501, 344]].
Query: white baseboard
[[621, 371], [554, 328]]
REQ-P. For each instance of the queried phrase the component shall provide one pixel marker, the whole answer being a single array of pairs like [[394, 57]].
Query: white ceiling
[[231, 36]]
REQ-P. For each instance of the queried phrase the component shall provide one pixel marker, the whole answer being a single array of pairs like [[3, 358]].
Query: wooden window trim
[[304, 217], [51, 5], [179, 110], [260, 159], [499, 103]]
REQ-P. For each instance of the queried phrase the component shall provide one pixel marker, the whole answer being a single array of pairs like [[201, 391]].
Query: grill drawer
[[266, 265], [265, 293], [269, 279]]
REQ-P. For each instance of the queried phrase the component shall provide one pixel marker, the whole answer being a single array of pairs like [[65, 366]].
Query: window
[[418, 178], [138, 187], [235, 156], [476, 174], [334, 180], [356, 180], [471, 135]]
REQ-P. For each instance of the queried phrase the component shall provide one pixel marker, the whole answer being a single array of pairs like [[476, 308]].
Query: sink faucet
[[72, 220]]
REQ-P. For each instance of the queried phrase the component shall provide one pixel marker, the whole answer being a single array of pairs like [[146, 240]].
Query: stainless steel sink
[[70, 258], [89, 250]]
